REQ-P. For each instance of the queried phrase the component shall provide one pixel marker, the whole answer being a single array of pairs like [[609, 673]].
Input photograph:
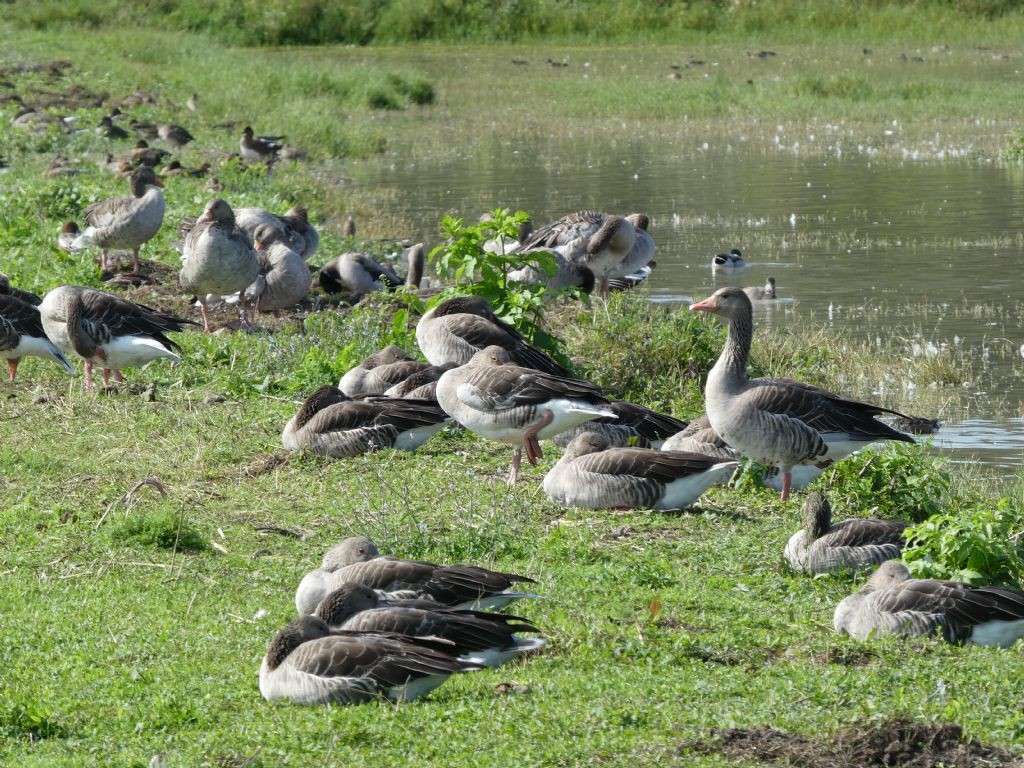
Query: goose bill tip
[[707, 305]]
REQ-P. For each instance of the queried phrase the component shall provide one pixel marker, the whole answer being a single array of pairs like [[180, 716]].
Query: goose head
[[320, 399], [728, 303], [465, 305], [489, 356], [143, 179], [890, 572], [390, 354], [817, 515], [585, 443], [355, 549], [297, 213], [524, 231], [345, 602], [639, 220], [266, 235], [293, 635], [218, 210]]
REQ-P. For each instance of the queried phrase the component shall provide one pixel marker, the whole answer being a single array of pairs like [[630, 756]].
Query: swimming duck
[[765, 293], [731, 260]]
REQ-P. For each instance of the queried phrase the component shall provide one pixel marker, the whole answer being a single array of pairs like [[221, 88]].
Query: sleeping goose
[[420, 385], [299, 234], [218, 259], [284, 278], [125, 222], [780, 422], [518, 406], [599, 241], [728, 261], [642, 252], [486, 638], [22, 334], [591, 474], [568, 274], [357, 560], [758, 293], [357, 274], [820, 547], [380, 371], [330, 424], [307, 664], [258, 149], [456, 329], [6, 289], [890, 602], [634, 426], [106, 329]]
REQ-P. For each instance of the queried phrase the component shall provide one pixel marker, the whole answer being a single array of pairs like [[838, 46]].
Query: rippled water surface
[[926, 250]]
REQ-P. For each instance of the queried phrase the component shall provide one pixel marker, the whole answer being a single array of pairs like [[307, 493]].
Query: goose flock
[[372, 626]]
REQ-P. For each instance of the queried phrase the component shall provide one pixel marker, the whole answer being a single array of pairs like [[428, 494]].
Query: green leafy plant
[[978, 546], [472, 270], [159, 528], [1014, 149]]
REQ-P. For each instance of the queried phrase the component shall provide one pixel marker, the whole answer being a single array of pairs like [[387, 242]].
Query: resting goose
[[143, 154], [642, 252], [107, 129], [568, 274], [299, 234], [456, 329], [258, 149], [330, 424], [125, 222], [820, 547], [6, 289], [515, 405], [307, 664], [477, 636], [106, 329], [757, 293], [592, 474], [727, 261], [634, 426], [218, 259], [357, 274], [420, 385], [890, 602], [780, 422], [284, 278], [175, 135], [357, 560], [22, 334], [379, 372], [699, 437], [599, 241]]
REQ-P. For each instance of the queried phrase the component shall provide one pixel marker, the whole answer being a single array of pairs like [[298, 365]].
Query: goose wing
[[507, 386], [353, 414], [859, 532], [446, 584], [105, 212], [650, 424], [17, 319], [120, 317], [662, 466], [569, 228], [468, 630]]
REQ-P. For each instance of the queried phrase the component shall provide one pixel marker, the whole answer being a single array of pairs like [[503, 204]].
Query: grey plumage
[[357, 274], [379, 372], [634, 426], [284, 278], [126, 222], [22, 334]]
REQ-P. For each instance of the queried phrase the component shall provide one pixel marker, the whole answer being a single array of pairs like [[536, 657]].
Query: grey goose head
[[218, 210], [345, 602], [817, 516], [355, 549], [491, 356], [585, 443], [142, 179], [639, 221], [390, 354], [889, 573], [266, 235], [728, 303]]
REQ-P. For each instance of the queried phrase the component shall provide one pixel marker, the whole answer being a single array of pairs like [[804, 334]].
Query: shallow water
[[929, 251]]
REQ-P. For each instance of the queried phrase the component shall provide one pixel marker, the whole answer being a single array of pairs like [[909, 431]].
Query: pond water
[[928, 251]]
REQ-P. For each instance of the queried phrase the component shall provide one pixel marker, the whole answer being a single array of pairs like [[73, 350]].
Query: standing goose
[[820, 547], [486, 638], [600, 241], [258, 149], [357, 274], [106, 329], [218, 259], [380, 371], [22, 334], [890, 602], [518, 406], [634, 426], [780, 422], [591, 474], [758, 293], [284, 278], [728, 261], [6, 289], [307, 664], [456, 329], [126, 222], [357, 560], [330, 424]]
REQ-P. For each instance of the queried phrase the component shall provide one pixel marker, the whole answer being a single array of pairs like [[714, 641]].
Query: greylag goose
[[107, 129], [820, 547], [598, 240], [330, 424], [307, 664], [568, 274], [144, 130], [456, 329], [518, 406], [478, 636], [258, 149], [634, 426], [379, 372], [699, 437], [422, 385], [218, 259], [125, 222], [175, 135], [143, 154], [731, 260], [642, 252], [6, 289], [69, 232], [890, 602], [284, 278], [299, 234], [357, 274], [592, 474], [780, 422], [357, 560], [106, 329], [765, 293], [22, 334]]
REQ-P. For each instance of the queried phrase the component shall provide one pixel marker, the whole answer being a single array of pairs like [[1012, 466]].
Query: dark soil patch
[[893, 744]]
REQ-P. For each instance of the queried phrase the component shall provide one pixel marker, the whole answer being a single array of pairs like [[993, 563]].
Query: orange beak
[[258, 245], [708, 305]]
